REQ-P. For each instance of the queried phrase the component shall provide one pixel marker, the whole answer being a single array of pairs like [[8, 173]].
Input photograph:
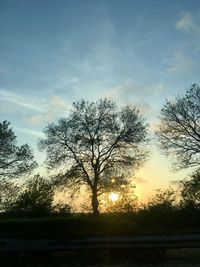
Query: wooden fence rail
[[100, 243]]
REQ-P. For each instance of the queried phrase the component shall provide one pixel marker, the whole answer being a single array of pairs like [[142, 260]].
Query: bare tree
[[96, 141], [14, 160], [179, 129]]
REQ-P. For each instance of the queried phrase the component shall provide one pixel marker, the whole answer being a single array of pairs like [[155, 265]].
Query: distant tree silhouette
[[14, 160], [96, 141], [162, 200], [179, 129]]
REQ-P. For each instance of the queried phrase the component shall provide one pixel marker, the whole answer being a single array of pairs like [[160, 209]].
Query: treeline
[[160, 216], [35, 198], [96, 147]]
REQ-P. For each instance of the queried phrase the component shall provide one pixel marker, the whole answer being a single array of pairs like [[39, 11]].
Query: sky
[[135, 52]]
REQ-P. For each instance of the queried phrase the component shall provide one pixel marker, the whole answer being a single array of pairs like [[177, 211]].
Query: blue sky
[[135, 52]]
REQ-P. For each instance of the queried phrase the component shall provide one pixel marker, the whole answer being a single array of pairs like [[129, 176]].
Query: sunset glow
[[113, 196], [136, 53]]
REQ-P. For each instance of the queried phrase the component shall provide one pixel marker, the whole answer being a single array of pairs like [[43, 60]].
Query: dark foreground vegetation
[[106, 258], [158, 217], [145, 221]]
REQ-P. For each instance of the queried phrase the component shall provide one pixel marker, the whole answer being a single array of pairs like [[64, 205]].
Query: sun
[[113, 196]]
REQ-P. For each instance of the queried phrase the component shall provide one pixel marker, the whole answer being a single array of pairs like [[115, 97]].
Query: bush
[[36, 197], [61, 209]]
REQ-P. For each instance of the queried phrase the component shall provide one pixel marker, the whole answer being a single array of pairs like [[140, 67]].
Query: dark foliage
[[36, 197], [15, 160], [143, 222], [9, 193], [190, 191]]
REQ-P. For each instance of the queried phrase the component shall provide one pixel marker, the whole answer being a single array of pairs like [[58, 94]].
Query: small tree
[[190, 191], [14, 160], [179, 130], [9, 193], [94, 142], [162, 200], [37, 197]]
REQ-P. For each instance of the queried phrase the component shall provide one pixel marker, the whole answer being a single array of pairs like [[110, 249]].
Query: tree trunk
[[95, 203]]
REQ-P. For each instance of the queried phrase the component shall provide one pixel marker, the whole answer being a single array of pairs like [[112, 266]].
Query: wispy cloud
[[39, 111], [183, 60], [179, 62], [54, 107], [19, 100], [39, 118], [130, 93], [129, 88], [188, 24], [31, 132], [57, 102]]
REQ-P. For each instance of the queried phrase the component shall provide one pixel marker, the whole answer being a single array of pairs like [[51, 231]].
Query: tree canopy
[[190, 191], [14, 160], [96, 141], [179, 129]]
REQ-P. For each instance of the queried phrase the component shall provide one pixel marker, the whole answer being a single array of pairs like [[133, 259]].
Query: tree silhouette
[[9, 193], [190, 191], [36, 197], [179, 129], [162, 200], [96, 141], [14, 160], [33, 197]]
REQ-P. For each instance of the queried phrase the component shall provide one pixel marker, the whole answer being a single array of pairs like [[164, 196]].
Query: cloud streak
[[30, 132], [34, 119], [35, 111], [55, 107], [17, 99]]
